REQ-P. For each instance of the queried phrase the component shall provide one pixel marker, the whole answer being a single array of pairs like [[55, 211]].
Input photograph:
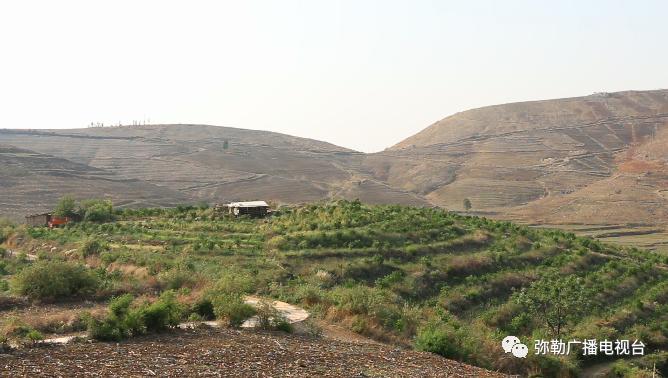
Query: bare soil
[[230, 353]]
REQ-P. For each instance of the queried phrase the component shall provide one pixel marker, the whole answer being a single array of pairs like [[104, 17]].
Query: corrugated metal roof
[[38, 215], [248, 204]]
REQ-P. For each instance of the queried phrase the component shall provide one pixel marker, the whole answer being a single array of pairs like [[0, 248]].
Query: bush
[[204, 309], [437, 340], [231, 307], [97, 211], [19, 331], [66, 207], [34, 336], [161, 314], [113, 326], [450, 341], [92, 247], [227, 298], [123, 321], [268, 317], [109, 329], [51, 280]]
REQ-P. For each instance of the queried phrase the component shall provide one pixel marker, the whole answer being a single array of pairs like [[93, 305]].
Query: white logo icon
[[508, 343], [520, 351], [512, 344]]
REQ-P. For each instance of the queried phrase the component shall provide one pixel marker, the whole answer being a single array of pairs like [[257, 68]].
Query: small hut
[[251, 208], [38, 220], [46, 220]]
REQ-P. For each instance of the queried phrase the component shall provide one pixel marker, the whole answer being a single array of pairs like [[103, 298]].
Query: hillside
[[509, 155], [32, 182], [596, 161], [215, 164], [411, 277]]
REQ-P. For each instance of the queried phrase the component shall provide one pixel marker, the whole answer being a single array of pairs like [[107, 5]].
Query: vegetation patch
[[441, 282]]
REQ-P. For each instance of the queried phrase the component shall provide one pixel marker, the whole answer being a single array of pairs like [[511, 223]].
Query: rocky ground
[[230, 353]]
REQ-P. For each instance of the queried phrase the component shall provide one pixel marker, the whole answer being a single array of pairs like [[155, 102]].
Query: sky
[[360, 74]]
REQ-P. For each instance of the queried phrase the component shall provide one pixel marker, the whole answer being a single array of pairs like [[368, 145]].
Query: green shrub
[[204, 309], [92, 247], [360, 299], [17, 330], [268, 317], [284, 326], [109, 329], [97, 211], [66, 207], [34, 336], [390, 279], [439, 340], [120, 306], [51, 280], [312, 329], [232, 308], [4, 344], [124, 321], [162, 314], [113, 327]]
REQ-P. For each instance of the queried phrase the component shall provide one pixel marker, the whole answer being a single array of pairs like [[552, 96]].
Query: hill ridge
[[528, 161]]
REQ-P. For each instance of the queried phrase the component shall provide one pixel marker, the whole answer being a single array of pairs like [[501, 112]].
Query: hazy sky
[[361, 74]]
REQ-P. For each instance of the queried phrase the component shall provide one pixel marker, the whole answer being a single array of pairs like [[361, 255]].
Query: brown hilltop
[[597, 159], [511, 155]]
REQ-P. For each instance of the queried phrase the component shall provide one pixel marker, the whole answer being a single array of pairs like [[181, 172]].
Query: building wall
[[253, 211], [37, 221]]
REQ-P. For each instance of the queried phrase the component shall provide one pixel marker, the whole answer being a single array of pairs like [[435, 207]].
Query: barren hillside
[[33, 182], [505, 156], [599, 159], [213, 164]]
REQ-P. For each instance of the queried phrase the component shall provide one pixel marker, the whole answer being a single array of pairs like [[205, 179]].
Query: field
[[419, 278]]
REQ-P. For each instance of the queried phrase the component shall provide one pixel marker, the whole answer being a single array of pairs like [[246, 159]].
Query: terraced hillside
[[216, 164], [33, 182], [594, 161], [511, 155], [412, 277], [635, 192]]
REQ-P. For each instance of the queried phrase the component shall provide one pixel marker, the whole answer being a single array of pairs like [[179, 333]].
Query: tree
[[66, 207], [467, 204], [97, 210], [556, 300]]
